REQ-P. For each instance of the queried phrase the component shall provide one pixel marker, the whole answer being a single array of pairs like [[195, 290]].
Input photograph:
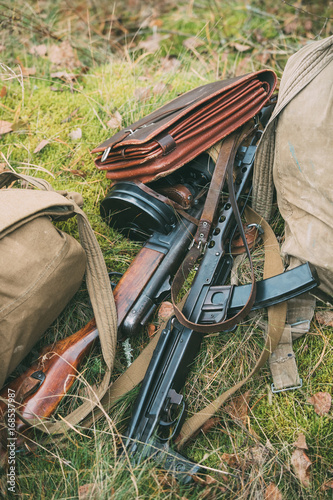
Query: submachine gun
[[159, 410]]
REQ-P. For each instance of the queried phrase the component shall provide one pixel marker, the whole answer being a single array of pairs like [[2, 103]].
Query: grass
[[245, 455]]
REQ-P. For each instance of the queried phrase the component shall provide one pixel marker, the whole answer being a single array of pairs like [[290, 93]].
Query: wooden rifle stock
[[134, 280], [38, 391]]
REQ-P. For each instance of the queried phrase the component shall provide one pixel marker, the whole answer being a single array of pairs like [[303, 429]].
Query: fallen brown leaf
[[290, 24], [115, 120], [142, 93], [325, 318], [300, 442], [231, 459], [165, 310], [322, 402], [75, 134], [86, 492], [41, 145], [63, 55], [3, 91], [169, 64], [152, 43], [213, 488], [5, 127], [272, 492], [151, 328], [156, 22], [208, 481], [39, 50], [192, 42], [327, 485], [238, 407], [28, 71], [63, 75], [301, 464], [240, 47], [55, 89]]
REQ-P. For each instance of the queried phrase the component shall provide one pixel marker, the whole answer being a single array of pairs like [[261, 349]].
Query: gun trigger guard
[[30, 385], [177, 423]]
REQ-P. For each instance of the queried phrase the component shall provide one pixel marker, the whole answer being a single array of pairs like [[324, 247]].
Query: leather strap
[[136, 372], [223, 167]]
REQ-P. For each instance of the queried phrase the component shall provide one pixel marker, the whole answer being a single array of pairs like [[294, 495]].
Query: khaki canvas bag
[[294, 157], [42, 267]]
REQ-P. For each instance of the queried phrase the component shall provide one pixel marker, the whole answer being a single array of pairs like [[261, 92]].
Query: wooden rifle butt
[[39, 390]]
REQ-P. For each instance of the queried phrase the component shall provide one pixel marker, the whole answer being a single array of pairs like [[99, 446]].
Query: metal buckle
[[258, 227], [287, 388], [202, 247], [306, 322], [105, 154]]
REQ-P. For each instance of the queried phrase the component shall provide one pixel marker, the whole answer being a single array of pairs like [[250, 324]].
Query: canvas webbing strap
[[282, 362], [276, 320], [283, 365]]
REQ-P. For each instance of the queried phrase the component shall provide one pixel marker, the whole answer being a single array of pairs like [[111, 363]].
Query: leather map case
[[174, 134]]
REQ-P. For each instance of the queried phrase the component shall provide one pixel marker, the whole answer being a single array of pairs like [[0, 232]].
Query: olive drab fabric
[[42, 267], [295, 157]]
